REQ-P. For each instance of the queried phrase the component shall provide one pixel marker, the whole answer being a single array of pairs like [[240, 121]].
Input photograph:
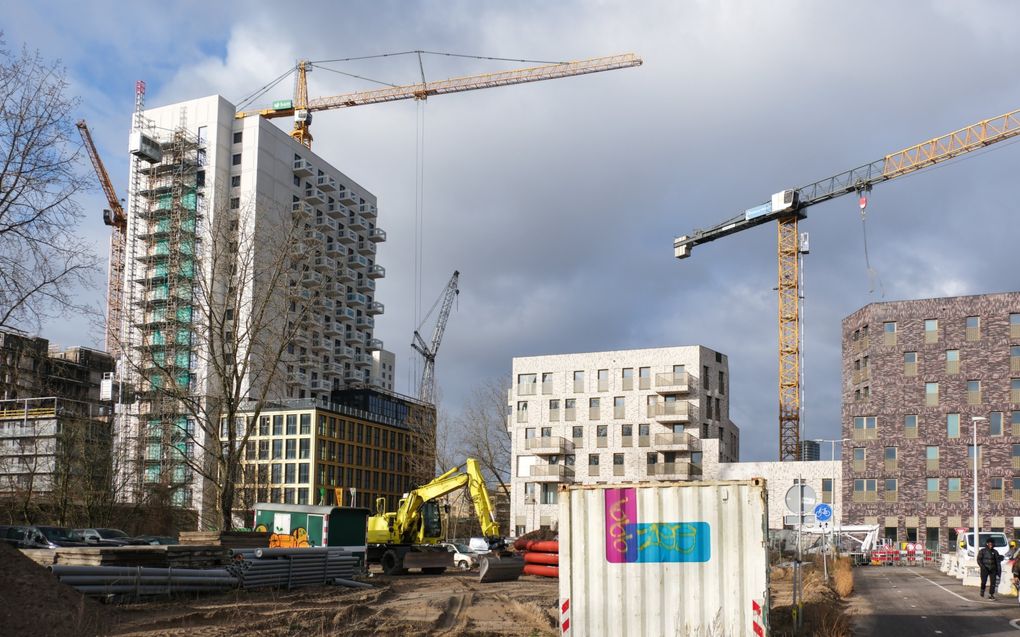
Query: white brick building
[[605, 417]]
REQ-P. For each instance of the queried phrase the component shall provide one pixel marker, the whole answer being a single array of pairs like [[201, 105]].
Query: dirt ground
[[825, 613], [451, 604]]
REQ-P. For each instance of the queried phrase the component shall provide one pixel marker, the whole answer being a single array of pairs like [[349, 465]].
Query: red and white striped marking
[[757, 624], [565, 616]]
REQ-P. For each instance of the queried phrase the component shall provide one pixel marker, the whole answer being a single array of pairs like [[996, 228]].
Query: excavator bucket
[[497, 569]]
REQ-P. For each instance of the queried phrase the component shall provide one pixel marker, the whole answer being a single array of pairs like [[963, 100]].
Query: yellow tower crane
[[788, 207], [301, 107], [113, 216]]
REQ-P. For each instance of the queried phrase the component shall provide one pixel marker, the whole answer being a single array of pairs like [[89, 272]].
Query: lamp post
[[973, 426], [832, 457]]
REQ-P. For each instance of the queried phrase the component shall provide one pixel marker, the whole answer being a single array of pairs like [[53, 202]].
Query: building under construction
[[214, 203]]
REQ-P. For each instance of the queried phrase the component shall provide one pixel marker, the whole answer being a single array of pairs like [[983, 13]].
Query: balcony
[[328, 304], [343, 352], [676, 441], [319, 345], [356, 299], [356, 260], [673, 411], [357, 222], [374, 344], [672, 383], [366, 285], [347, 196], [363, 360], [302, 168], [303, 210], [368, 210], [326, 183], [312, 278], [366, 247], [375, 307], [316, 237], [317, 384], [376, 272], [336, 250], [348, 237], [674, 470], [550, 445], [315, 196], [324, 264], [346, 274], [356, 337], [365, 321], [554, 472], [376, 235], [325, 224], [353, 376], [345, 314]]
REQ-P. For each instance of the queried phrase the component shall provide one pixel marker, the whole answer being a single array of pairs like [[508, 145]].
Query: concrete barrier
[[944, 564], [971, 576], [1005, 587]]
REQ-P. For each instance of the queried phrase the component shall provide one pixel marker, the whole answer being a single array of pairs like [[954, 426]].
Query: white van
[[967, 550]]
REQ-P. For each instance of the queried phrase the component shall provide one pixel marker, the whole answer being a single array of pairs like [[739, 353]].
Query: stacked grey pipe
[[138, 580], [291, 568]]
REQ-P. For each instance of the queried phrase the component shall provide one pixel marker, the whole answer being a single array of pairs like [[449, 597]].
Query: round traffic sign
[[800, 498], [823, 512]]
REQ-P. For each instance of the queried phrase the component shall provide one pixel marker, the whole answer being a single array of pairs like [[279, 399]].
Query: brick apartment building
[[917, 375]]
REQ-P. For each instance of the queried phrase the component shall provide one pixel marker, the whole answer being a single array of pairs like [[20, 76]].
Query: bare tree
[[42, 257], [482, 424], [249, 301]]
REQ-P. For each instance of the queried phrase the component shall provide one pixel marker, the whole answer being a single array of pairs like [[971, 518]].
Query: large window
[[953, 425], [931, 457], [973, 328], [910, 363], [931, 394], [603, 379], [952, 361], [953, 489], [910, 425], [864, 490], [931, 330], [890, 490], [619, 407], [865, 428], [860, 459], [889, 328], [995, 423], [579, 382], [932, 494]]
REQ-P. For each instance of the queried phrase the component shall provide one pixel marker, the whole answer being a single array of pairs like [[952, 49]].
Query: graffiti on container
[[628, 540], [296, 539]]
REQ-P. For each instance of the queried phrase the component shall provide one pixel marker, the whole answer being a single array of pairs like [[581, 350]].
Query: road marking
[[1015, 623], [972, 601]]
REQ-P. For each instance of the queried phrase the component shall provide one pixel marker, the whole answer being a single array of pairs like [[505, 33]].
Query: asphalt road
[[902, 601]]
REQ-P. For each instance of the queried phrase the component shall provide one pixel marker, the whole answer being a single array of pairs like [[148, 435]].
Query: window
[[626, 432], [865, 428], [722, 383], [1014, 359], [548, 493], [931, 394], [602, 435], [306, 424], [277, 425], [827, 490], [627, 378], [931, 457], [931, 330], [554, 409], [202, 132], [277, 449], [996, 489], [529, 433], [547, 382], [593, 459], [237, 137], [522, 411], [910, 363], [578, 382], [953, 486], [995, 423], [1014, 390], [910, 425], [276, 473], [890, 459], [889, 329], [546, 432], [707, 380], [569, 409], [1016, 456], [932, 490], [577, 433], [864, 490], [1014, 325], [619, 407], [291, 449], [952, 361], [236, 159], [263, 450], [291, 424], [264, 425], [603, 379], [652, 458], [618, 467], [953, 425], [1016, 489], [860, 459], [643, 434], [593, 409], [973, 328], [235, 181], [973, 392], [303, 473], [526, 384], [890, 490], [644, 377], [970, 456]]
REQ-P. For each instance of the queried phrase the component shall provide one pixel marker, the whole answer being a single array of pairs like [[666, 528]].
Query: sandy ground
[[451, 604]]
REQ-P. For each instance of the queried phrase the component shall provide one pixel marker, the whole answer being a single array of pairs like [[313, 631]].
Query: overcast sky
[[558, 201]]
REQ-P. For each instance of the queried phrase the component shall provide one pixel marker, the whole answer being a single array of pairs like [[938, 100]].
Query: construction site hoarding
[[664, 559]]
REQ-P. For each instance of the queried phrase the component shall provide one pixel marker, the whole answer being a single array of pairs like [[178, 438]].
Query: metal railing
[[672, 380], [558, 471], [549, 444], [677, 439], [678, 409]]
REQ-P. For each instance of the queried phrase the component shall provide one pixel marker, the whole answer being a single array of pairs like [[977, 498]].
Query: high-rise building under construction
[[214, 202]]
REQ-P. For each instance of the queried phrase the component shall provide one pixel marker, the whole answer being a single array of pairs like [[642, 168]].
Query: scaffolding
[[165, 252]]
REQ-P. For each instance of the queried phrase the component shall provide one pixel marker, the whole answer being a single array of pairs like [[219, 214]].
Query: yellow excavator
[[406, 538]]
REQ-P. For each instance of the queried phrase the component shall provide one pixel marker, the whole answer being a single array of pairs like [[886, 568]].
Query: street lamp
[[973, 425]]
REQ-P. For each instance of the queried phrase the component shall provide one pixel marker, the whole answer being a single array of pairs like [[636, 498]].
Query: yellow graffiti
[[677, 536], [618, 530], [296, 539]]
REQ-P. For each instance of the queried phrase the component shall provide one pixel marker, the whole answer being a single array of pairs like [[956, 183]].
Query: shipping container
[[664, 559], [302, 525]]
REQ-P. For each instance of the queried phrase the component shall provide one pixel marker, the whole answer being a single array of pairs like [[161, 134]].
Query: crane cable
[[873, 276]]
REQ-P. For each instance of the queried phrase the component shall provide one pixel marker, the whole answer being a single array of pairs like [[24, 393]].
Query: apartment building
[[205, 185], [31, 368], [918, 378], [619, 416], [384, 366], [302, 450]]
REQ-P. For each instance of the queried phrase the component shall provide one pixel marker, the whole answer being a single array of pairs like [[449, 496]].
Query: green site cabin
[[303, 525]]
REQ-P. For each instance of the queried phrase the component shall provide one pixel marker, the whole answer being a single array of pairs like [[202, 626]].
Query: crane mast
[[114, 217], [428, 351], [301, 107], [788, 207]]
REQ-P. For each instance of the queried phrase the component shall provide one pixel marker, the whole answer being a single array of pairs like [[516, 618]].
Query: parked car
[[50, 537], [463, 557], [13, 535], [107, 537], [157, 539]]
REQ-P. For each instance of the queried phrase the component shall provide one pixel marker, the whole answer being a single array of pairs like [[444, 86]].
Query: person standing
[[988, 560]]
